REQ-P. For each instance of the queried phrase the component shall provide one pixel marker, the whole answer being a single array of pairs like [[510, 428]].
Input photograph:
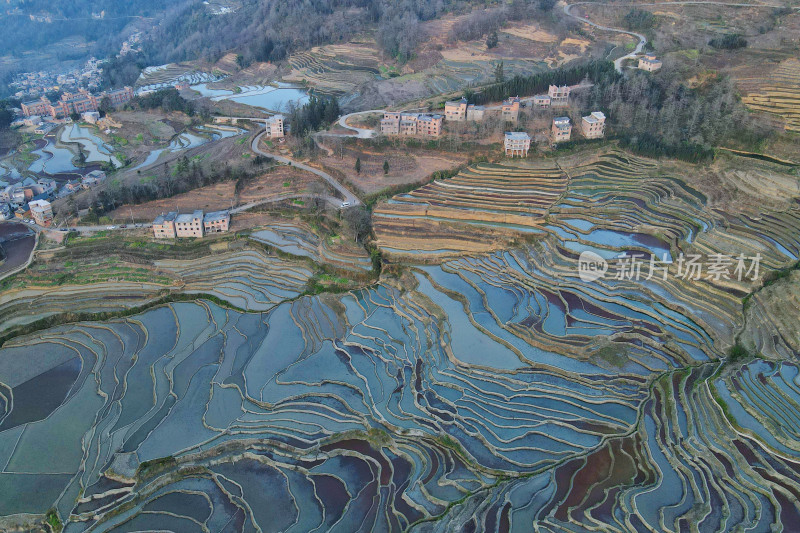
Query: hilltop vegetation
[[41, 23], [268, 31]]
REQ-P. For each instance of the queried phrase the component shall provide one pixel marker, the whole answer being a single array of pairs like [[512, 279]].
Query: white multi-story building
[[456, 110], [164, 226], [216, 222], [517, 143], [593, 126], [274, 126], [561, 130], [541, 101], [42, 212], [510, 109], [559, 96]]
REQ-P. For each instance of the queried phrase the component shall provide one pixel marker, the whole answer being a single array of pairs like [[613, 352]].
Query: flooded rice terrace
[[488, 392], [16, 245], [269, 97]]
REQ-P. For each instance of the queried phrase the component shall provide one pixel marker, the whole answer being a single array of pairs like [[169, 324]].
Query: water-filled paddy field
[[17, 242], [492, 391], [269, 97], [189, 139]]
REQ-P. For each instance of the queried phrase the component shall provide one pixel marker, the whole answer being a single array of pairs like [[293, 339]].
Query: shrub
[[728, 42], [639, 19]]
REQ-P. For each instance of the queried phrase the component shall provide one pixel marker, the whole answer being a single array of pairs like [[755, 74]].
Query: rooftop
[[169, 217], [594, 117], [40, 204], [517, 136], [428, 117], [215, 216]]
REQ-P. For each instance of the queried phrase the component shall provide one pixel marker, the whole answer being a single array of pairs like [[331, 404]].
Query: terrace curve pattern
[[778, 93], [491, 391], [456, 214], [246, 279]]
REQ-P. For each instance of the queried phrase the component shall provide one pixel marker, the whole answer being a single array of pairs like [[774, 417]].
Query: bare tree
[[360, 222]]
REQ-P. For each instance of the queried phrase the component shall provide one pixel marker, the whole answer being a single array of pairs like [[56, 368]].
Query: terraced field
[[482, 394], [497, 391], [300, 241], [247, 279], [778, 94], [454, 73], [153, 78], [487, 197], [335, 69], [614, 203]]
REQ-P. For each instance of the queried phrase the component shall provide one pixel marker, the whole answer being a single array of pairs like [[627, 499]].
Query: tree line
[[185, 175], [660, 115], [168, 100], [539, 83], [317, 113]]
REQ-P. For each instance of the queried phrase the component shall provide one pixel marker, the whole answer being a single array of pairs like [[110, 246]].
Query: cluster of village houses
[[16, 200], [81, 102], [516, 143], [31, 84], [44, 115], [30, 198], [196, 224]]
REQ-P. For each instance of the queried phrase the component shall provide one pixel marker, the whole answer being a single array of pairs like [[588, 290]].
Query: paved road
[[361, 133], [335, 202], [618, 61], [344, 191], [92, 229]]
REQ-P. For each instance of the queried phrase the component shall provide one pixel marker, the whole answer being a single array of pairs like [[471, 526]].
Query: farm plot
[[457, 70], [335, 69], [163, 76], [433, 401], [772, 327], [247, 279], [499, 198], [610, 204], [778, 94], [300, 241], [240, 398], [685, 466]]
